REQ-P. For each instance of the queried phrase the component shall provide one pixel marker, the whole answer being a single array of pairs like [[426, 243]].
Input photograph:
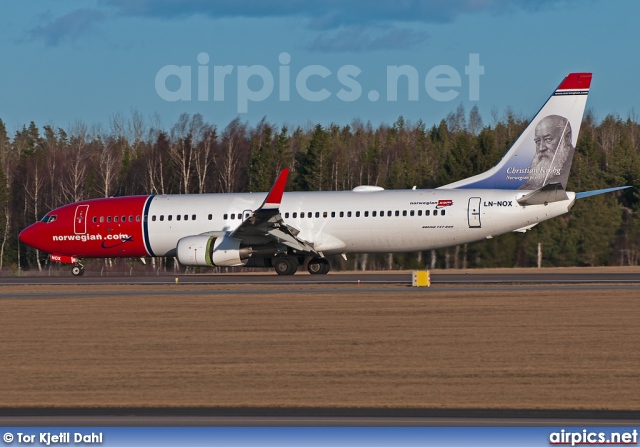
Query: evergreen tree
[[314, 163]]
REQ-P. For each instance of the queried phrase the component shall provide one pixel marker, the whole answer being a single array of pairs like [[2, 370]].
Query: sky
[[303, 62]]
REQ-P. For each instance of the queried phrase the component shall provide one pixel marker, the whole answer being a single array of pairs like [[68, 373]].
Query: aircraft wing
[[266, 225]]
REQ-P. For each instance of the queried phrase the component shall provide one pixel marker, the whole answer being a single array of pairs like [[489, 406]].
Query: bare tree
[[7, 164], [136, 129], [204, 154], [33, 184], [76, 157], [228, 157], [475, 121], [108, 163], [155, 155], [181, 147], [118, 126]]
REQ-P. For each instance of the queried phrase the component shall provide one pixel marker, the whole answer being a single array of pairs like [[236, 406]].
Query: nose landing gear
[[77, 269]]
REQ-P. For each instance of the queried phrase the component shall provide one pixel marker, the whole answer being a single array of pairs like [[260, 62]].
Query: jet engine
[[205, 250]]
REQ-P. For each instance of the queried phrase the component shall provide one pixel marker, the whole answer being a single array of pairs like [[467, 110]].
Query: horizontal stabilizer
[[582, 195], [553, 192]]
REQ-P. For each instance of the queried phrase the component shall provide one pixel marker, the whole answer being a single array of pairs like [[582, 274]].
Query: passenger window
[[225, 216], [95, 219], [161, 217], [153, 218], [186, 217], [366, 214], [108, 218], [317, 214], [348, 213], [124, 219], [233, 217], [210, 217], [381, 213], [435, 212], [419, 212], [115, 219], [101, 219], [341, 213], [286, 215], [442, 212], [295, 215], [302, 215], [324, 214], [373, 213], [178, 217], [130, 218], [357, 213], [333, 214], [397, 213], [412, 213], [404, 212], [138, 218], [170, 217], [427, 213]]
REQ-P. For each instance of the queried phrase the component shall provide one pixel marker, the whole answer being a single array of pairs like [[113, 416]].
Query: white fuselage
[[357, 222]]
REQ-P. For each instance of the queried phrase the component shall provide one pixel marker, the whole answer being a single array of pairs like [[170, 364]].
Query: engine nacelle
[[203, 250]]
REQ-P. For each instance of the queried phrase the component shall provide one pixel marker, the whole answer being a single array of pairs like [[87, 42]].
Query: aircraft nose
[[29, 236]]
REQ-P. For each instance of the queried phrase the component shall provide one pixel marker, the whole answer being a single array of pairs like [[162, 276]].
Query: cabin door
[[80, 220], [474, 212]]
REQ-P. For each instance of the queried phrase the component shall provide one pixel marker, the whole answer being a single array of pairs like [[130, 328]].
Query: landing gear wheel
[[285, 266], [77, 270], [318, 266]]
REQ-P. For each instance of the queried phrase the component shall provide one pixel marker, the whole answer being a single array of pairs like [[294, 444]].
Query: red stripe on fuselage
[[100, 231]]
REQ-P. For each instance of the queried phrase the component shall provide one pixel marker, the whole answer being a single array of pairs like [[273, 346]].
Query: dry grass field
[[449, 347]]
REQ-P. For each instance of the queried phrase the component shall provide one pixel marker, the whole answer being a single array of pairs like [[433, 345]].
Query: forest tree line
[[44, 168]]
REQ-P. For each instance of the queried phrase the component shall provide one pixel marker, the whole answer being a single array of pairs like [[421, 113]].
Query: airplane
[[285, 230]]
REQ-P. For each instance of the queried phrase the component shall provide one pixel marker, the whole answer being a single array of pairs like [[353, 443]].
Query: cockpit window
[[49, 218]]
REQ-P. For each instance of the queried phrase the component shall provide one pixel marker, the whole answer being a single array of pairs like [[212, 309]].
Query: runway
[[342, 322], [471, 277], [326, 288], [311, 417]]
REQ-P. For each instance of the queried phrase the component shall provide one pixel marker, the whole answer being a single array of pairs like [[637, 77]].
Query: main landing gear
[[285, 266], [318, 266], [289, 265], [77, 269]]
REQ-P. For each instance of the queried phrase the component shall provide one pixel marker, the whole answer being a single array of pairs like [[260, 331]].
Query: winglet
[[277, 190]]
